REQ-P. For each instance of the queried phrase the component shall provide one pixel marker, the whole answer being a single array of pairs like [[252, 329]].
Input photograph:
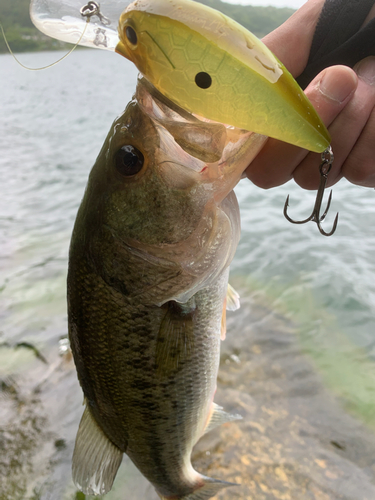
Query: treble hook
[[324, 169]]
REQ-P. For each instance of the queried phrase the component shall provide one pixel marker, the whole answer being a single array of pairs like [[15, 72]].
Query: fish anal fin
[[95, 458], [175, 340], [233, 299], [218, 417], [209, 489]]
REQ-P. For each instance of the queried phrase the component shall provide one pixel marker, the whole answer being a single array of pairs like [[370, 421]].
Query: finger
[[329, 93], [291, 42], [352, 137], [359, 167]]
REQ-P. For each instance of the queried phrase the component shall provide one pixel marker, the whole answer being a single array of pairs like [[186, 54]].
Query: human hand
[[345, 101]]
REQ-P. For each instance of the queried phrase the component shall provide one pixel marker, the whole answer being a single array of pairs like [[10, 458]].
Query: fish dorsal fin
[[95, 458], [233, 299], [175, 340], [209, 489], [219, 416]]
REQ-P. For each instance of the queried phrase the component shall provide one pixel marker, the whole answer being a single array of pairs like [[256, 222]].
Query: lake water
[[299, 359]]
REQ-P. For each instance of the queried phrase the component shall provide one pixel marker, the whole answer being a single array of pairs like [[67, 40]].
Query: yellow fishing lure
[[211, 66]]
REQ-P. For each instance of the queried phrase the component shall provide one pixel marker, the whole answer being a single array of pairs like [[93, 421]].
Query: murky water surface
[[299, 359]]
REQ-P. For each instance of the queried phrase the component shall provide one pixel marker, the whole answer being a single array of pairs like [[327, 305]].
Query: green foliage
[[24, 37], [21, 34], [258, 20], [15, 13]]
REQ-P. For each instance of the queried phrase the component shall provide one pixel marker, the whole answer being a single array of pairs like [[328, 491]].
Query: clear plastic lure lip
[[66, 21]]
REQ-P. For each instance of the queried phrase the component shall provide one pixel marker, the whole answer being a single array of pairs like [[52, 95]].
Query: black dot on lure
[[129, 160], [131, 35], [203, 80]]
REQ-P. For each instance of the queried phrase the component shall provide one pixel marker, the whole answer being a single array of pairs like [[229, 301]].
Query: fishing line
[[89, 10], [49, 65]]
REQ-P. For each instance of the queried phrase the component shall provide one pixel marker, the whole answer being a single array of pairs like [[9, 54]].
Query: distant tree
[[15, 13], [258, 20], [21, 34]]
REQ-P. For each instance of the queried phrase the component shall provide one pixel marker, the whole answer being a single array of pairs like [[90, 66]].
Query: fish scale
[[142, 401], [188, 395], [145, 307]]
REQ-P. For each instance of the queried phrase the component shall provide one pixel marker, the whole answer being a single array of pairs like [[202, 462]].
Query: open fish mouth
[[195, 149]]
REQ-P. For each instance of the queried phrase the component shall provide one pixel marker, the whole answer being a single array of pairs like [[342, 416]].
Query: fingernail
[[365, 69], [336, 86]]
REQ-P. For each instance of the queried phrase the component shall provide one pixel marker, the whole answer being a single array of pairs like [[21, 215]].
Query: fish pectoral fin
[[233, 299], [231, 303], [209, 489], [95, 458], [218, 417], [175, 340]]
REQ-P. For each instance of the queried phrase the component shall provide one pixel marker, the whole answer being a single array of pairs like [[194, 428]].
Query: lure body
[[211, 66]]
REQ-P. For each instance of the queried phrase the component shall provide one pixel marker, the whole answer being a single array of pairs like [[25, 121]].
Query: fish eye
[[129, 160], [131, 35], [203, 80]]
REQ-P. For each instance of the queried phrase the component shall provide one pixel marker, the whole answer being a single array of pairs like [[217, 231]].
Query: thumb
[[331, 90], [291, 42]]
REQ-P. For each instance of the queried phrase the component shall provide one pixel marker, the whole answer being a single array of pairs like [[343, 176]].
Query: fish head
[[161, 189], [136, 200], [213, 67], [160, 168]]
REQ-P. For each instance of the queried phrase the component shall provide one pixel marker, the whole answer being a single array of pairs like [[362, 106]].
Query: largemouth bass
[[147, 293]]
